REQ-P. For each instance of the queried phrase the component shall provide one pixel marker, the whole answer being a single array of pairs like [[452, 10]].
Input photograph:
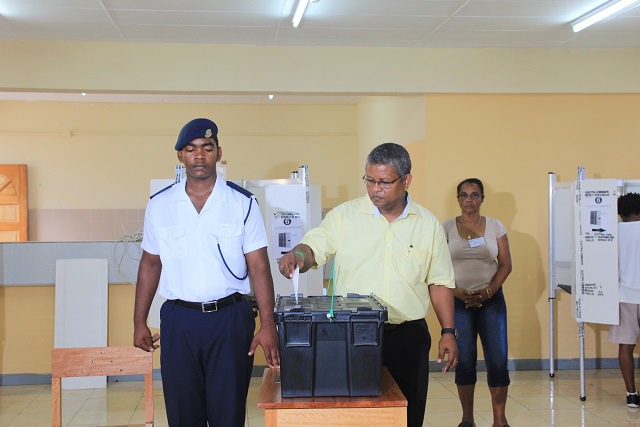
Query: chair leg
[[148, 397], [56, 404]]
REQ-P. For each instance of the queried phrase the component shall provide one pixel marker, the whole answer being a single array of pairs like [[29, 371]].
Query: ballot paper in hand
[[296, 276]]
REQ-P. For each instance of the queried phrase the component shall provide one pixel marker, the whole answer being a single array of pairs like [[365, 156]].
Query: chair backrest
[[99, 361]]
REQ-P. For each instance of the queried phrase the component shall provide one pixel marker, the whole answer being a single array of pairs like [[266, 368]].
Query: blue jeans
[[490, 323]]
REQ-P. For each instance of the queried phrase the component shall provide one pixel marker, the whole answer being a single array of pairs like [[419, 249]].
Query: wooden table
[[387, 410]]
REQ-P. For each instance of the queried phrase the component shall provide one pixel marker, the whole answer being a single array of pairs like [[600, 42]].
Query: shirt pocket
[[228, 240], [413, 267], [173, 242]]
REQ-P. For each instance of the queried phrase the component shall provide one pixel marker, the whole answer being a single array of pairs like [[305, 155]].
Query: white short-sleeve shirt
[[202, 253], [628, 261]]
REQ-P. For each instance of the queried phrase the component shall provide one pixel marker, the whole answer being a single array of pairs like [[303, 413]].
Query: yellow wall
[[179, 68], [27, 329], [511, 142], [100, 156], [399, 119]]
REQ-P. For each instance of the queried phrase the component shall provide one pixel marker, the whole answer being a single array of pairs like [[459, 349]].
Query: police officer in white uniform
[[203, 239]]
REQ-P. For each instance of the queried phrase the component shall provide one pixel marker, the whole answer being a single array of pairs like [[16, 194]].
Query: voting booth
[[583, 252], [290, 207]]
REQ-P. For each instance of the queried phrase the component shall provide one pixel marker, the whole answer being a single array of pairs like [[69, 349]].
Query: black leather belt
[[393, 326], [210, 306]]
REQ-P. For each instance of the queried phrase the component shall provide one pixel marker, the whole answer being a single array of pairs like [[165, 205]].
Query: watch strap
[[452, 331]]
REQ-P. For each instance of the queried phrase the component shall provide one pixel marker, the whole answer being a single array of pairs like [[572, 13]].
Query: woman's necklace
[[466, 230]]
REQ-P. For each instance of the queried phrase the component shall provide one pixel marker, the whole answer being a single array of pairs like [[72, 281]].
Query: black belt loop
[[211, 306]]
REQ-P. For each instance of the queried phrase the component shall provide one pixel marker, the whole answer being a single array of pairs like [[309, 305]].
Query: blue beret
[[196, 128]]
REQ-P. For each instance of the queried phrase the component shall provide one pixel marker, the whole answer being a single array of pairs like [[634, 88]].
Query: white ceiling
[[372, 23], [342, 23]]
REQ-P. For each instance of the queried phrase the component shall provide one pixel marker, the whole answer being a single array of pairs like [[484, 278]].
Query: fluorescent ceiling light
[[608, 9], [302, 6]]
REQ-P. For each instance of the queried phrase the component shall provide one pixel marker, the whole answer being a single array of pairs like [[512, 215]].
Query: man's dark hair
[[629, 204], [393, 154]]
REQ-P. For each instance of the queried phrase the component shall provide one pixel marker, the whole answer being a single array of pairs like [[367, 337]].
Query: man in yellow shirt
[[389, 246]]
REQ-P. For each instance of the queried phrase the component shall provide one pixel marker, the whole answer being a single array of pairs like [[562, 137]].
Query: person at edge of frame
[[627, 332]]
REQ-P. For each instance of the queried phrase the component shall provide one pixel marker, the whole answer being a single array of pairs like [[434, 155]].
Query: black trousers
[[405, 353], [205, 367]]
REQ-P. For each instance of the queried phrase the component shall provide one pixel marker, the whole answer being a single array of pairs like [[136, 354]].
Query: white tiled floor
[[535, 399]]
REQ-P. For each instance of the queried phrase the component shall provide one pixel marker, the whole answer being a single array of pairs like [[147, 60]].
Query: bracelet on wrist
[[489, 293], [301, 254]]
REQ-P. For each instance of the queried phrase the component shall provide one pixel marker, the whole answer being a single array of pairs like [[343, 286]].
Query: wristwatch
[[453, 331]]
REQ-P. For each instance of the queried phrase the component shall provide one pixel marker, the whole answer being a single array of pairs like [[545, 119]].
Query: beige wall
[[87, 159], [101, 156], [389, 119], [511, 142], [179, 68], [27, 327], [89, 164]]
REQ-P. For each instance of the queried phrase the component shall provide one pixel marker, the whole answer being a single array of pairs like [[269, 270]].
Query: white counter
[[34, 263]]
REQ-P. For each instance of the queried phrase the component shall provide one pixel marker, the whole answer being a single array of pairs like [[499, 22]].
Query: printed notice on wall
[[596, 254], [286, 232]]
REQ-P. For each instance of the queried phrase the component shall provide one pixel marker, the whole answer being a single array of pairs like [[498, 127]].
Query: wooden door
[[14, 212]]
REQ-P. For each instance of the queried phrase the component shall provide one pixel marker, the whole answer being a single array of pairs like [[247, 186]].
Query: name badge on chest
[[478, 241]]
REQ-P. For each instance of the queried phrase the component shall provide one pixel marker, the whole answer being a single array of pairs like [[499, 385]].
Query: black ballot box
[[330, 346]]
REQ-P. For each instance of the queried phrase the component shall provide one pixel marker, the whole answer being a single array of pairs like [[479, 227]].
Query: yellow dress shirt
[[394, 261]]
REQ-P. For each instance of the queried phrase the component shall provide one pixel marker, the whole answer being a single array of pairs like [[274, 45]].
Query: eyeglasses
[[385, 185], [473, 196]]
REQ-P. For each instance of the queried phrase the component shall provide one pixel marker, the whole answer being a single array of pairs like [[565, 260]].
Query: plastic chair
[[100, 361]]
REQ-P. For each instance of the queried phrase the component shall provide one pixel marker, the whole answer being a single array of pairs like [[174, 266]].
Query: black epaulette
[[247, 193], [239, 189], [165, 188]]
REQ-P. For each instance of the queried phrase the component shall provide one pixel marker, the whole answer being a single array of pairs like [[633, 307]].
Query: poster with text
[[596, 251], [286, 229]]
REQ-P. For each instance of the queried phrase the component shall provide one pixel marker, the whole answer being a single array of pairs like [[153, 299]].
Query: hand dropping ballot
[[296, 276]]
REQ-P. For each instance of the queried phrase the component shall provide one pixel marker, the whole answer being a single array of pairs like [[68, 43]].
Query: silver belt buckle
[[215, 306]]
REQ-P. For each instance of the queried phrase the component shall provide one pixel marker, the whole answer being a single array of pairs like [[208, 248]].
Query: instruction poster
[[596, 254], [286, 232]]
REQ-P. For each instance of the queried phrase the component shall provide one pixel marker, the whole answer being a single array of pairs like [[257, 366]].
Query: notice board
[[595, 292]]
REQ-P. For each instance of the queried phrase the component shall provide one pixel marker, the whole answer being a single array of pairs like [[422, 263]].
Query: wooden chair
[[100, 361]]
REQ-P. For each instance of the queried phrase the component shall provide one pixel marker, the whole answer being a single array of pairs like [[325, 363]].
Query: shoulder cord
[[246, 273]]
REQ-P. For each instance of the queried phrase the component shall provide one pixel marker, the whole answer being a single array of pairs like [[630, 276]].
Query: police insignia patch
[[208, 133]]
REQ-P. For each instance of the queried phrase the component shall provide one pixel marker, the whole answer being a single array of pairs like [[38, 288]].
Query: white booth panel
[[81, 310], [289, 211]]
